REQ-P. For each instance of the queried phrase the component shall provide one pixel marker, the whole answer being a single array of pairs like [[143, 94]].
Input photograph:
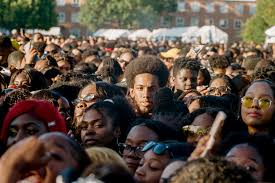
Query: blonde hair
[[103, 155]]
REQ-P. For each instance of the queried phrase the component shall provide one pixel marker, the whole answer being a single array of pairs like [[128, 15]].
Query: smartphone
[[214, 132]]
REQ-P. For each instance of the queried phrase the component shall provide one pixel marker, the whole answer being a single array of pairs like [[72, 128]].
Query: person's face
[[38, 38], [145, 87], [151, 167], [83, 104], [219, 87], [200, 79], [63, 65], [203, 121], [247, 157], [170, 171], [137, 137], [52, 50], [124, 60], [186, 79], [96, 130], [24, 126], [77, 54], [64, 108], [59, 149], [22, 81], [255, 117]]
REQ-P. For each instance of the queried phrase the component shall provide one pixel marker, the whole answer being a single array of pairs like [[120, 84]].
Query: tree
[[124, 13], [263, 19], [28, 14], [254, 29]]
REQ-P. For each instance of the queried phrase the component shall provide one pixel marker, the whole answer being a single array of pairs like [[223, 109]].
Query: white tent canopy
[[270, 35], [189, 36], [174, 33], [140, 33], [168, 34], [99, 32], [158, 34], [112, 34], [270, 32], [212, 34], [55, 31]]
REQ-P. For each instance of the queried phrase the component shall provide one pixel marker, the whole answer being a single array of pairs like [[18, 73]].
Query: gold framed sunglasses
[[264, 103]]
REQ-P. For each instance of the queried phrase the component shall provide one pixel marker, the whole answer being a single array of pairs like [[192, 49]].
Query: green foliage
[[263, 19], [254, 29], [123, 13], [27, 14]]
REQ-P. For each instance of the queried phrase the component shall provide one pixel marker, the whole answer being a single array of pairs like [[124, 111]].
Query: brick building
[[67, 11], [229, 15]]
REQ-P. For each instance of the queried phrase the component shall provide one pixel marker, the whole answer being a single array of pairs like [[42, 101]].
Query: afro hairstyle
[[146, 64]]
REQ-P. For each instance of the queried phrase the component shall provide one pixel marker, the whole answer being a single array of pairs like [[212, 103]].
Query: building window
[[223, 8], [181, 6], [223, 23], [194, 21], [74, 18], [239, 9], [60, 2], [195, 7], [61, 17], [179, 21], [210, 7], [252, 9], [238, 24], [209, 21], [166, 21], [75, 3]]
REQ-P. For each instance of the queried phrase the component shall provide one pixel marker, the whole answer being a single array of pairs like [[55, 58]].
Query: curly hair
[[146, 64], [265, 73], [185, 63], [217, 61], [212, 170]]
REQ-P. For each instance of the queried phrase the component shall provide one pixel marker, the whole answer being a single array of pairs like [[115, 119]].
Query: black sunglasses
[[125, 148]]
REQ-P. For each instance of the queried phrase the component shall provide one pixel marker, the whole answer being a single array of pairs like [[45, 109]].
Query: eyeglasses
[[221, 89], [157, 148], [263, 103], [88, 98], [125, 148]]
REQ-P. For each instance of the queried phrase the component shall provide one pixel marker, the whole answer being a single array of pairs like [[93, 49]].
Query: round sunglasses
[[263, 103]]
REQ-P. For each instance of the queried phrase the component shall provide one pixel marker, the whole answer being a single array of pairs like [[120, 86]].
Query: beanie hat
[[43, 110]]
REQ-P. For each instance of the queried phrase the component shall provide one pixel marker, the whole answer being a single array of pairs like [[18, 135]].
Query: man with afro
[[144, 76]]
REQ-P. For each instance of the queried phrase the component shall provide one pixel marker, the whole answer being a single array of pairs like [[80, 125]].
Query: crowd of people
[[95, 110]]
